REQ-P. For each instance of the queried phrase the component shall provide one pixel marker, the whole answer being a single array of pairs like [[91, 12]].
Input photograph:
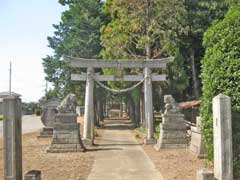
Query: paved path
[[121, 157], [30, 123]]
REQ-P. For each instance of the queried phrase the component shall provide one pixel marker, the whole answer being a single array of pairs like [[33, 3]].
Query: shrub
[[38, 111], [221, 73], [1, 117]]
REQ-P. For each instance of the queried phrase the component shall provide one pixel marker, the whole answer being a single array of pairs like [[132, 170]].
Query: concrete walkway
[[120, 157]]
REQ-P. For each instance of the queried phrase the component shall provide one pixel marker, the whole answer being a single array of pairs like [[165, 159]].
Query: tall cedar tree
[[78, 34]]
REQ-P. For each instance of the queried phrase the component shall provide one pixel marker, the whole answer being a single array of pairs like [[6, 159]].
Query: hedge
[[221, 74]]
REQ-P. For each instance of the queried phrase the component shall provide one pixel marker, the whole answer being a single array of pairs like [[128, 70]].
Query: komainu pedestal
[[66, 134], [172, 129]]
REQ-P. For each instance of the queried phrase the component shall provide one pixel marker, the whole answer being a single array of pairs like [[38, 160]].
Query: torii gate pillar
[[148, 107], [88, 129]]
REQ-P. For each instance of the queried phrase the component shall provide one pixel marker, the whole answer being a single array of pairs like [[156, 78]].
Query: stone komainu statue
[[68, 104], [170, 105]]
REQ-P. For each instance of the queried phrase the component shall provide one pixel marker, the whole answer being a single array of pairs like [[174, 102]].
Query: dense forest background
[[201, 35]]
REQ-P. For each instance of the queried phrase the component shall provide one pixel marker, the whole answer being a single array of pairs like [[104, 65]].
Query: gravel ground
[[176, 164]]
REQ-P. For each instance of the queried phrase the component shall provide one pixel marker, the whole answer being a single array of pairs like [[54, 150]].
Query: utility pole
[[10, 79]]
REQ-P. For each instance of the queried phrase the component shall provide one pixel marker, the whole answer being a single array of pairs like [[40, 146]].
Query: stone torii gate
[[147, 77]]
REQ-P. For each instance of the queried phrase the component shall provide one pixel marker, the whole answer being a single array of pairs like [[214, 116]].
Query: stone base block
[[205, 174], [66, 135], [173, 126], [150, 141], [196, 145], [65, 118], [47, 132], [64, 148], [88, 142], [172, 141], [159, 146], [173, 118], [172, 135]]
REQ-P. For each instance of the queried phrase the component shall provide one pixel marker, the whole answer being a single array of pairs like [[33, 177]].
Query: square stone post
[[33, 175], [204, 174], [88, 128], [12, 138], [148, 107], [222, 130]]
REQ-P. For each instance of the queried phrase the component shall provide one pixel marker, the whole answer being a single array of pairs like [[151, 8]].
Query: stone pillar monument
[[172, 129], [222, 138], [66, 131], [12, 138], [88, 129], [148, 107]]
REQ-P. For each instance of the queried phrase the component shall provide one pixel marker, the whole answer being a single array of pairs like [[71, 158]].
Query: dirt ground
[[53, 166], [173, 164], [75, 166]]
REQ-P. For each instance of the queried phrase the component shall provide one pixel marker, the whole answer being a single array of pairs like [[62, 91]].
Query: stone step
[[69, 126], [73, 134], [65, 141], [173, 126], [65, 146], [173, 135], [173, 141], [170, 146]]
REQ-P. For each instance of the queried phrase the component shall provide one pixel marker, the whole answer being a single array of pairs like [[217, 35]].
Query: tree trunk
[[100, 109], [137, 112], [131, 106], [148, 43], [194, 75]]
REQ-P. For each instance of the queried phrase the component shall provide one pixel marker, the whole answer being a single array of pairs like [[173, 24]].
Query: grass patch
[[140, 132], [143, 131]]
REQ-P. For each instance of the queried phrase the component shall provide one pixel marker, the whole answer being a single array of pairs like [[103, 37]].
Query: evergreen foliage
[[221, 73], [78, 35]]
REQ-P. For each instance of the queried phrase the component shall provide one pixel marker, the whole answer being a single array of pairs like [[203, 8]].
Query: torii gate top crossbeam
[[101, 63]]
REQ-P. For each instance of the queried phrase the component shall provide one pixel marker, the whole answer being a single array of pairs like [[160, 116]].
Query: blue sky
[[24, 27]]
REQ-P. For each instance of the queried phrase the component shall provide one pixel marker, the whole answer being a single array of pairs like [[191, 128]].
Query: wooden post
[[222, 130], [88, 134], [148, 107], [12, 138]]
